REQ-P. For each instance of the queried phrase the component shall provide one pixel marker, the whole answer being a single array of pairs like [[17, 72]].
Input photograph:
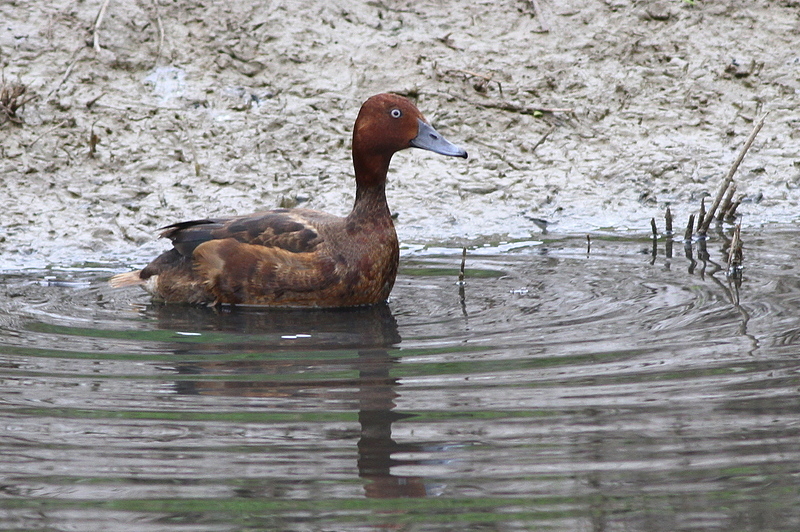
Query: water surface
[[559, 388]]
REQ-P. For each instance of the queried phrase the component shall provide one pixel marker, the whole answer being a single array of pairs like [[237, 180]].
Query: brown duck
[[300, 257]]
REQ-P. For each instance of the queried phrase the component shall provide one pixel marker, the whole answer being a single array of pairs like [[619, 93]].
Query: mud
[[179, 110]]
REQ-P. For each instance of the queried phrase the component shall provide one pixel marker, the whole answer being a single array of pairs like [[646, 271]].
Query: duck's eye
[[396, 113]]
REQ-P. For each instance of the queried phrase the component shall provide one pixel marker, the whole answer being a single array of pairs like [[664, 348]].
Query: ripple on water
[[554, 389]]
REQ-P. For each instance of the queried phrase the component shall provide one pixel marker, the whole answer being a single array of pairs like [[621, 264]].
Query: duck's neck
[[371, 186], [371, 204], [371, 169]]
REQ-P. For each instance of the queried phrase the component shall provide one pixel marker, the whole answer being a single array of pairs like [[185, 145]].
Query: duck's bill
[[429, 139]]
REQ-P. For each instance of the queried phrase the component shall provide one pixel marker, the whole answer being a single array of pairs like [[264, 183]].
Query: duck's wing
[[236, 272], [283, 229]]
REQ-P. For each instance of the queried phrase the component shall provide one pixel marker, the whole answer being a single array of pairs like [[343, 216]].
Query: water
[[556, 390]]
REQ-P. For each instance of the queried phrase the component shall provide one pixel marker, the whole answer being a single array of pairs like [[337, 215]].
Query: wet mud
[[594, 115]]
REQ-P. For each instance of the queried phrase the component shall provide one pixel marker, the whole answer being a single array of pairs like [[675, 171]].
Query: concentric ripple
[[555, 388]]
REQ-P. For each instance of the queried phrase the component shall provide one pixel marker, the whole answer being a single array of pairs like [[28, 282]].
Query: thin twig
[[653, 227], [93, 101], [160, 32], [46, 132], [537, 10], [543, 138], [471, 73], [76, 55], [97, 22], [486, 78], [729, 177], [515, 108], [462, 296]]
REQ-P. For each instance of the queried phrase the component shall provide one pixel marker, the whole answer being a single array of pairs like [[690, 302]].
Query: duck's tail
[[126, 279]]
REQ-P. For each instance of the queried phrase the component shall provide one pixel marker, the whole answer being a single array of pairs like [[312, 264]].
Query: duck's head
[[386, 124]]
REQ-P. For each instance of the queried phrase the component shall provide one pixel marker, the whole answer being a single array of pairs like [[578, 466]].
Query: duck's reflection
[[313, 339], [376, 397]]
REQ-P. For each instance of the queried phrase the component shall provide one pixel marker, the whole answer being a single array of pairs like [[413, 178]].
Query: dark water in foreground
[[559, 391]]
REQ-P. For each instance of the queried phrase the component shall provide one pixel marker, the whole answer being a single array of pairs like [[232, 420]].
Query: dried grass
[[12, 99]]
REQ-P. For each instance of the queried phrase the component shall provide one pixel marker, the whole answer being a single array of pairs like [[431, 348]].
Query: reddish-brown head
[[386, 124]]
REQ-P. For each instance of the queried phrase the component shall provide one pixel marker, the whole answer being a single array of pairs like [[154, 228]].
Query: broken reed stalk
[[731, 212], [668, 222], [463, 263], [735, 252], [706, 222], [702, 215], [687, 236], [726, 202]]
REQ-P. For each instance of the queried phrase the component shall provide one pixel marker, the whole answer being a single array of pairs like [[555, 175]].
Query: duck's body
[[285, 257], [300, 257]]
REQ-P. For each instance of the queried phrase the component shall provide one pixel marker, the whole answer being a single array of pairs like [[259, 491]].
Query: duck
[[300, 257]]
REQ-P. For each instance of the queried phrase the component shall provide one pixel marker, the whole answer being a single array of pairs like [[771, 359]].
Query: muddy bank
[[182, 110]]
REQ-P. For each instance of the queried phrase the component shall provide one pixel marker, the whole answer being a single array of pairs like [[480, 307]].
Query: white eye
[[396, 113]]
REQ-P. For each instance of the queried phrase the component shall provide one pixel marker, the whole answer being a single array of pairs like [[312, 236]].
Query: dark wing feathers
[[186, 236], [280, 229]]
